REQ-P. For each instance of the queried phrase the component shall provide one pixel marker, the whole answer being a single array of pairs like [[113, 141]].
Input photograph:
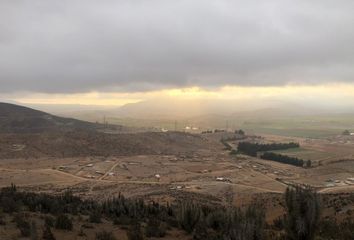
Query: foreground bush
[[23, 225], [64, 222], [155, 228], [104, 235], [47, 233], [135, 233]]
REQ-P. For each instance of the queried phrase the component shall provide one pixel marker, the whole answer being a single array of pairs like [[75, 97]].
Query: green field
[[309, 127]]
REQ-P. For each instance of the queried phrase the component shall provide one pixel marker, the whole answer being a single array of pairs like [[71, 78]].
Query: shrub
[[63, 222], [123, 220], [155, 228], [95, 217], [23, 225], [81, 232], [47, 233], [104, 235], [135, 233], [33, 231], [49, 220], [2, 220]]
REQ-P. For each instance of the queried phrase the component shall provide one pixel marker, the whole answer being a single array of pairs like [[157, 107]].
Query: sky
[[114, 52]]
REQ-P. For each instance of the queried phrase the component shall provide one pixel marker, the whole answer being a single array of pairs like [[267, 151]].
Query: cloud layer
[[72, 46]]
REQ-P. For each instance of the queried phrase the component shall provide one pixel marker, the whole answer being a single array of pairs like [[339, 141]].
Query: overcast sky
[[78, 46]]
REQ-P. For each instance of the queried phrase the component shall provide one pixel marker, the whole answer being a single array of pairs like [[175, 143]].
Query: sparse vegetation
[[33, 234], [155, 228], [95, 217], [47, 233], [23, 225], [104, 235], [63, 222], [135, 232], [302, 220], [332, 229]]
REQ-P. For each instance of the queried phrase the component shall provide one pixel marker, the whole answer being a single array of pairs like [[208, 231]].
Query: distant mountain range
[[169, 113]]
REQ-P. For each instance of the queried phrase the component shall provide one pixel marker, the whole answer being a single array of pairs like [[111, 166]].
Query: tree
[[95, 217], [104, 235], [135, 233], [63, 222], [23, 225], [155, 228], [188, 216], [241, 132], [282, 158], [33, 230], [303, 213], [308, 163], [47, 233], [201, 231], [49, 220], [346, 133]]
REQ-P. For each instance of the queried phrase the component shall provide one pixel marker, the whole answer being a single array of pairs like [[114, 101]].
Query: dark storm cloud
[[124, 45]]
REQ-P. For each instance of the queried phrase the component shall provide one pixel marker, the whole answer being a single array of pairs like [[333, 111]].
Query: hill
[[27, 133], [85, 143], [19, 119]]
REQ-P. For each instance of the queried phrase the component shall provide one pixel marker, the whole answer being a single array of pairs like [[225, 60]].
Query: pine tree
[[47, 233], [303, 213], [34, 235]]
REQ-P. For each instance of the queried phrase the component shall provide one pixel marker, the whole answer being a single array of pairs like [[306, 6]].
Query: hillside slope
[[19, 119], [83, 143], [28, 133]]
